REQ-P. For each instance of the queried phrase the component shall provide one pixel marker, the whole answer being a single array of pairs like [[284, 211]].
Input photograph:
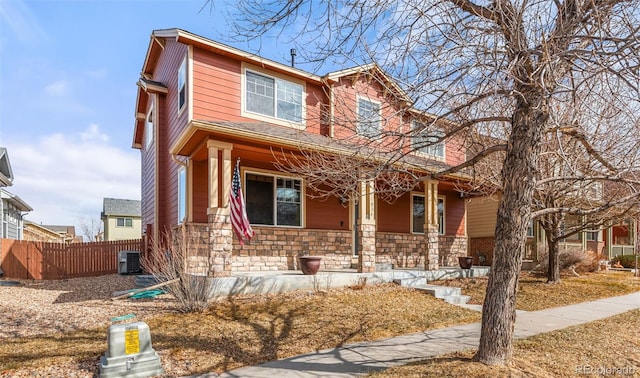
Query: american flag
[[239, 220]]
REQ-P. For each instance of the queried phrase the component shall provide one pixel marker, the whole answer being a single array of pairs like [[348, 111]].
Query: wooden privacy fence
[[50, 261]]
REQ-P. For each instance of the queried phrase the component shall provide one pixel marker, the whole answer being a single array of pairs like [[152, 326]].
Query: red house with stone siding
[[201, 105]]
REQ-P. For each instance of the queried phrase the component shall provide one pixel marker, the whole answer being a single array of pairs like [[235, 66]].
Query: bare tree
[[91, 228], [500, 69]]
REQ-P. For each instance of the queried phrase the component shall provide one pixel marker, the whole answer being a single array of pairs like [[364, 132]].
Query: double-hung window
[[592, 235], [369, 119], [182, 84], [427, 140], [148, 129], [418, 209], [273, 200], [273, 97], [124, 222]]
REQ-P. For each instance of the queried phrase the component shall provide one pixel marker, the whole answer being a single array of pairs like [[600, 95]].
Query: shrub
[[168, 261], [570, 258], [627, 261]]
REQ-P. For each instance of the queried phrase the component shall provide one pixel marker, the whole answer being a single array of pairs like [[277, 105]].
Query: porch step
[[452, 295], [437, 291], [411, 281]]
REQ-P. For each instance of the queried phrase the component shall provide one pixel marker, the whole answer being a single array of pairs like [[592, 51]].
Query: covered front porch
[[425, 227]]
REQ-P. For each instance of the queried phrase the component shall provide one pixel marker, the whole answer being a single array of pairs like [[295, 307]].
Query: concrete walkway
[[357, 359]]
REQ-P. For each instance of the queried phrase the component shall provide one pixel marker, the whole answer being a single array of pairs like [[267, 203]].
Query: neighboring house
[[121, 219], [6, 174], [482, 214], [201, 105], [13, 210], [12, 207], [50, 233]]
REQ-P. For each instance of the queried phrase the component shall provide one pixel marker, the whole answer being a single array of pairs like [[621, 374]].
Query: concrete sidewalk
[[357, 359]]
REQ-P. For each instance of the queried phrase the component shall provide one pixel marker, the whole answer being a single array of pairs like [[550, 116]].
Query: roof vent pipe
[[293, 57]]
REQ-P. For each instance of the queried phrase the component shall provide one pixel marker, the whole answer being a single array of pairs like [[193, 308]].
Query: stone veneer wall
[[407, 250], [400, 250], [450, 248], [198, 242], [275, 248]]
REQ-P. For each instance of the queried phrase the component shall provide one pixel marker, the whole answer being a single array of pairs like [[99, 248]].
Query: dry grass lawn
[[535, 294], [608, 347], [254, 329]]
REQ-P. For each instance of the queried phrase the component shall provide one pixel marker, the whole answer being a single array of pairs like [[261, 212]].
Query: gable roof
[[373, 70], [14, 200], [59, 229], [6, 174], [117, 206]]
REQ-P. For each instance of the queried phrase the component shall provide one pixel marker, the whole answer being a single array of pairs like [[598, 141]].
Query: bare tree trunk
[[514, 213], [553, 268]]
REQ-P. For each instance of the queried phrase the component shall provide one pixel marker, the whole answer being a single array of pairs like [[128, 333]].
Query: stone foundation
[[277, 248], [274, 248], [400, 250], [450, 248]]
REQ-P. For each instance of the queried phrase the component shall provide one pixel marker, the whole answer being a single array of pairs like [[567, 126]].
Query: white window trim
[[423, 153], [598, 236], [183, 67], [277, 175], [261, 117], [182, 205], [149, 134], [365, 98], [124, 219]]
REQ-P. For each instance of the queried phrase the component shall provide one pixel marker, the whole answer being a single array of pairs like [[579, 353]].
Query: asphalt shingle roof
[[117, 206]]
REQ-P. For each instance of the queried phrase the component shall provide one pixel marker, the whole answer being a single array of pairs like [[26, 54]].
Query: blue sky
[[68, 73]]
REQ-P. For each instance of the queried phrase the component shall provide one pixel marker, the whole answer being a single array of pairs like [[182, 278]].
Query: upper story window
[[428, 141], [369, 118], [124, 222], [273, 200], [182, 84], [273, 97], [148, 129]]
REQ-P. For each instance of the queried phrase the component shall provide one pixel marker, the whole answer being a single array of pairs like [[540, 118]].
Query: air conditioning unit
[[129, 262]]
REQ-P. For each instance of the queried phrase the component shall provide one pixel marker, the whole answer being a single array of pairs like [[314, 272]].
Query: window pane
[[260, 94], [289, 101], [288, 202], [128, 222], [426, 140], [418, 214], [182, 81], [441, 216], [259, 199], [182, 194], [368, 118], [120, 222]]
